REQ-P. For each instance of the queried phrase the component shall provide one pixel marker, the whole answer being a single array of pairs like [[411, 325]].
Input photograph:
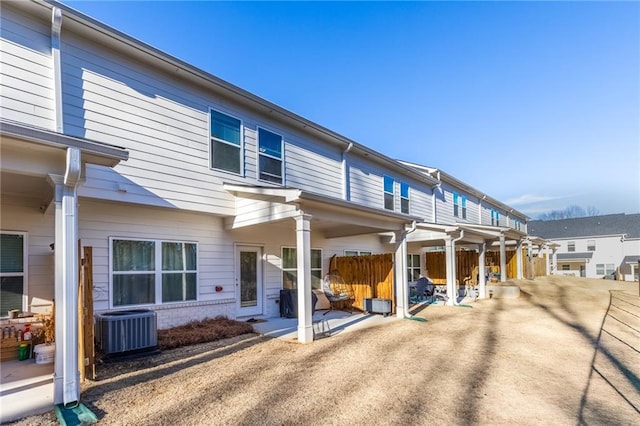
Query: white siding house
[[198, 198], [595, 246]]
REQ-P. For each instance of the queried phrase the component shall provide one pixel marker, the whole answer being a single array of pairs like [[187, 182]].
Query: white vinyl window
[[571, 246], [495, 217], [270, 153], [591, 245], [404, 197], [290, 268], [153, 272], [226, 142], [13, 271], [413, 267], [389, 197], [357, 253]]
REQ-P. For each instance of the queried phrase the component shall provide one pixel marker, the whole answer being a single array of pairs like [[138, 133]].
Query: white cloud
[[527, 199]]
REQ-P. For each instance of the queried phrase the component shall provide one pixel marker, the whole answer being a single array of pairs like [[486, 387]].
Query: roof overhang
[[574, 257], [332, 217], [16, 135]]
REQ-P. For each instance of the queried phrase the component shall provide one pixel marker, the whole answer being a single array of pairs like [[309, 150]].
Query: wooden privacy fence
[[86, 352], [368, 276], [467, 265]]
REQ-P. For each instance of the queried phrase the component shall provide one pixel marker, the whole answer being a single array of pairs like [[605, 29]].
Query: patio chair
[[337, 292]]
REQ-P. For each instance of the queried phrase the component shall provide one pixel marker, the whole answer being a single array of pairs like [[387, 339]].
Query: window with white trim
[[389, 197], [290, 268], [464, 207], [456, 207], [566, 267], [404, 197], [226, 142], [270, 156], [495, 217], [591, 245], [13, 276], [413, 267], [571, 246], [147, 272], [357, 253], [605, 269]]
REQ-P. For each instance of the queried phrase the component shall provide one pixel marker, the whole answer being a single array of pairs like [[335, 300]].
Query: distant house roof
[[575, 256], [612, 224]]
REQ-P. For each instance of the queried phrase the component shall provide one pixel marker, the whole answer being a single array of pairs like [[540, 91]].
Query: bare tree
[[570, 212], [592, 211]]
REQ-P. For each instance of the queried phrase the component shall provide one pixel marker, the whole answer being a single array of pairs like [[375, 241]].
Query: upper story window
[[226, 142], [459, 205], [12, 271], [495, 217], [404, 197], [270, 153], [290, 268], [456, 207], [516, 224], [464, 207], [591, 245], [571, 246], [389, 199], [152, 272]]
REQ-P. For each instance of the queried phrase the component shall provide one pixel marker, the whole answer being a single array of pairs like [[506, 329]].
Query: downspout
[[346, 193], [56, 28]]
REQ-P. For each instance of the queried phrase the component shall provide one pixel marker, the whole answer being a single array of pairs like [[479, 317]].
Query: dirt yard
[[567, 352]]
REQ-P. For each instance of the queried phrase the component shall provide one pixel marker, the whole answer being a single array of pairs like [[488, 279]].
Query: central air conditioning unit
[[380, 306], [126, 332]]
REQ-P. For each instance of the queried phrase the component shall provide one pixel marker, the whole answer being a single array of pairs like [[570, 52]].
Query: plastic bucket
[[45, 354], [23, 351]]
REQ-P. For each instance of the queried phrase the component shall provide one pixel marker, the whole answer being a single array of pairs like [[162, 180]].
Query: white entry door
[[249, 280]]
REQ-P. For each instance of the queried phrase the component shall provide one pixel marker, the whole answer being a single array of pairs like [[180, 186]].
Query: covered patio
[[305, 215]]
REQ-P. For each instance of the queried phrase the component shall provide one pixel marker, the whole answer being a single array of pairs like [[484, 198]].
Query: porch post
[[547, 259], [503, 259], [401, 279], [450, 258], [482, 288], [519, 274], [66, 376], [531, 272], [554, 261], [303, 250]]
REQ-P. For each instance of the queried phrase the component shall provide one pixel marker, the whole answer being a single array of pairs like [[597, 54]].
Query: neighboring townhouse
[[197, 197], [594, 246]]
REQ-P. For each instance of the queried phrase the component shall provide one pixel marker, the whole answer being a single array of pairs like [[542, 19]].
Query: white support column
[[450, 256], [531, 275], [67, 375], [482, 287], [503, 259], [519, 273], [401, 278], [303, 248], [547, 260], [554, 261]]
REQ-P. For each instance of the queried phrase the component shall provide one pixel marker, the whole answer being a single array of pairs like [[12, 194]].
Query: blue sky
[[535, 103]]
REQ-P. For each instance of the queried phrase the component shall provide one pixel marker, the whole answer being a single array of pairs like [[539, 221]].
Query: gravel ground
[[566, 352]]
